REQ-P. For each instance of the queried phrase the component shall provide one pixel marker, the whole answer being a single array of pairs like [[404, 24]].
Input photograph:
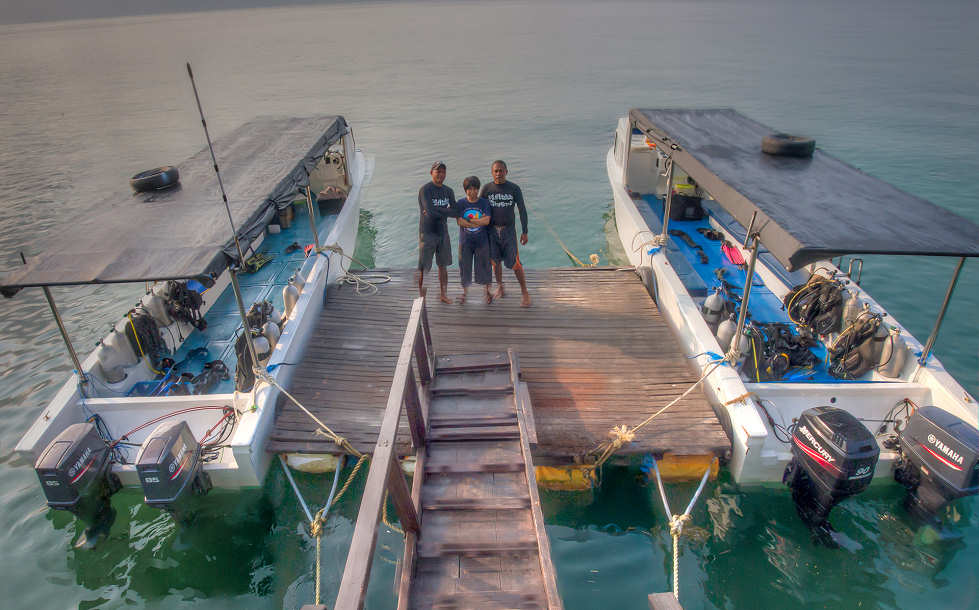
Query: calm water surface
[[890, 87]]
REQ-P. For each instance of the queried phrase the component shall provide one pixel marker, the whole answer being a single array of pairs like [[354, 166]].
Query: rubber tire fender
[[155, 179], [785, 145]]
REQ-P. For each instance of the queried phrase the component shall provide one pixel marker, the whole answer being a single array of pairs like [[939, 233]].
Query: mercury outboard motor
[[75, 476], [170, 469], [939, 461], [833, 458]]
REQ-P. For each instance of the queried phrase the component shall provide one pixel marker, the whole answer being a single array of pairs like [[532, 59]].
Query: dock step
[[473, 420], [499, 503], [471, 362], [475, 433], [483, 599], [473, 457], [472, 390]]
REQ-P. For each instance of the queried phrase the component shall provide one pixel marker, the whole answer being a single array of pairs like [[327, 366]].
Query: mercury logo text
[[815, 444]]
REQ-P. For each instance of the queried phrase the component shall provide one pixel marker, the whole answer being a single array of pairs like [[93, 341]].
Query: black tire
[[785, 145], [155, 179]]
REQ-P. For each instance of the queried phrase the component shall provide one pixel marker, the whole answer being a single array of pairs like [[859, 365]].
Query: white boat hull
[[244, 463], [758, 457]]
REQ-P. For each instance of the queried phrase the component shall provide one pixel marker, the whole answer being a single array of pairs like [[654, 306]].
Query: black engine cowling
[[74, 474], [170, 468], [939, 461], [833, 457]]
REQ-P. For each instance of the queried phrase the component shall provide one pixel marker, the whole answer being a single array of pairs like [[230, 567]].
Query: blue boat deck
[[700, 278], [217, 340]]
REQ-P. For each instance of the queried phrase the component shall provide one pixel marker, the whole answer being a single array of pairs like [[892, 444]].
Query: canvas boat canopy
[[183, 232], [807, 209]]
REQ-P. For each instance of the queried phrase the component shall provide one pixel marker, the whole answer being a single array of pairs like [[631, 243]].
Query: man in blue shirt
[[435, 204], [474, 215]]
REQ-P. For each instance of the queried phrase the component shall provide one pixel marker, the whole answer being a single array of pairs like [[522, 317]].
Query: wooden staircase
[[482, 540], [474, 532]]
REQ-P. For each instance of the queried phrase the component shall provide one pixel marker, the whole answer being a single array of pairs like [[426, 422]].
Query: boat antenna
[[234, 233], [217, 172]]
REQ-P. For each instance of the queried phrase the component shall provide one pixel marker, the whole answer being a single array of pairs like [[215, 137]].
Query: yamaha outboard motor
[[939, 461], [75, 476], [170, 469], [833, 458]]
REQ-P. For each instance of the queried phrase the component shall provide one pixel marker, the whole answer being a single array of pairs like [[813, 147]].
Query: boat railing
[[409, 392]]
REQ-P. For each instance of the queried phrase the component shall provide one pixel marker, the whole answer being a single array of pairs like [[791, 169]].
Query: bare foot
[[445, 299], [500, 293], [525, 302], [489, 297]]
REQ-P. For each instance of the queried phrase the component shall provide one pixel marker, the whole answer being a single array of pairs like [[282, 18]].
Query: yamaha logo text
[[948, 451], [80, 462]]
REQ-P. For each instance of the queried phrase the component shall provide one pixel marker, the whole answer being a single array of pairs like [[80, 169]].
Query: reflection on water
[[222, 552], [744, 549]]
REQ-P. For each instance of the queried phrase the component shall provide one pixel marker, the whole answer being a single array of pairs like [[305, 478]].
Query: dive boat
[[735, 228], [168, 400]]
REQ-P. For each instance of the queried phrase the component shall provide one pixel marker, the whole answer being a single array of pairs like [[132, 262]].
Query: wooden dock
[[594, 351]]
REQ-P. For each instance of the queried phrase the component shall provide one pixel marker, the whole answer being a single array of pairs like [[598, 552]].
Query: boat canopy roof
[[808, 209], [183, 232]]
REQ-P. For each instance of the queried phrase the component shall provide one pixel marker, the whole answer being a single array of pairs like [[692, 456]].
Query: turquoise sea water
[[890, 87]]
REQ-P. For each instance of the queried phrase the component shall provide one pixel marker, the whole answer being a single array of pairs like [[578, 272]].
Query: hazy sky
[[25, 11]]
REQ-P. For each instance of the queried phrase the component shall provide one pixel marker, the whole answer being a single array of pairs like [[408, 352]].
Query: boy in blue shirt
[[474, 216]]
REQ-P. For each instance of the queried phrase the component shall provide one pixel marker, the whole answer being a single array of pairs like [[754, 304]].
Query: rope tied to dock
[[677, 521], [317, 523], [323, 429], [365, 284], [622, 435]]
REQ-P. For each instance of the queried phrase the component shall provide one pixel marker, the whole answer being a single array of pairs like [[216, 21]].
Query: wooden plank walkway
[[482, 542], [594, 350]]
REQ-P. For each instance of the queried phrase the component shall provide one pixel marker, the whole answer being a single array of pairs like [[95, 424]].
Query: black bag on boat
[[685, 207]]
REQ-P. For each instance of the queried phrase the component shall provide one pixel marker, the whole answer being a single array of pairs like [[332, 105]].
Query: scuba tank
[[713, 307], [852, 306], [298, 279], [894, 355], [114, 353], [290, 296], [726, 331], [263, 348], [155, 302], [271, 332], [291, 292], [879, 340]]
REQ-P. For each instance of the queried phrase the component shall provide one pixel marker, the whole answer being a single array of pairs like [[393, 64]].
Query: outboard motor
[[939, 461], [170, 469], [75, 476], [833, 458]]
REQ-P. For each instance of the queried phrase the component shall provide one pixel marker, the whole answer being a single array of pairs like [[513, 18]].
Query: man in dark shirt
[[504, 197], [436, 202]]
